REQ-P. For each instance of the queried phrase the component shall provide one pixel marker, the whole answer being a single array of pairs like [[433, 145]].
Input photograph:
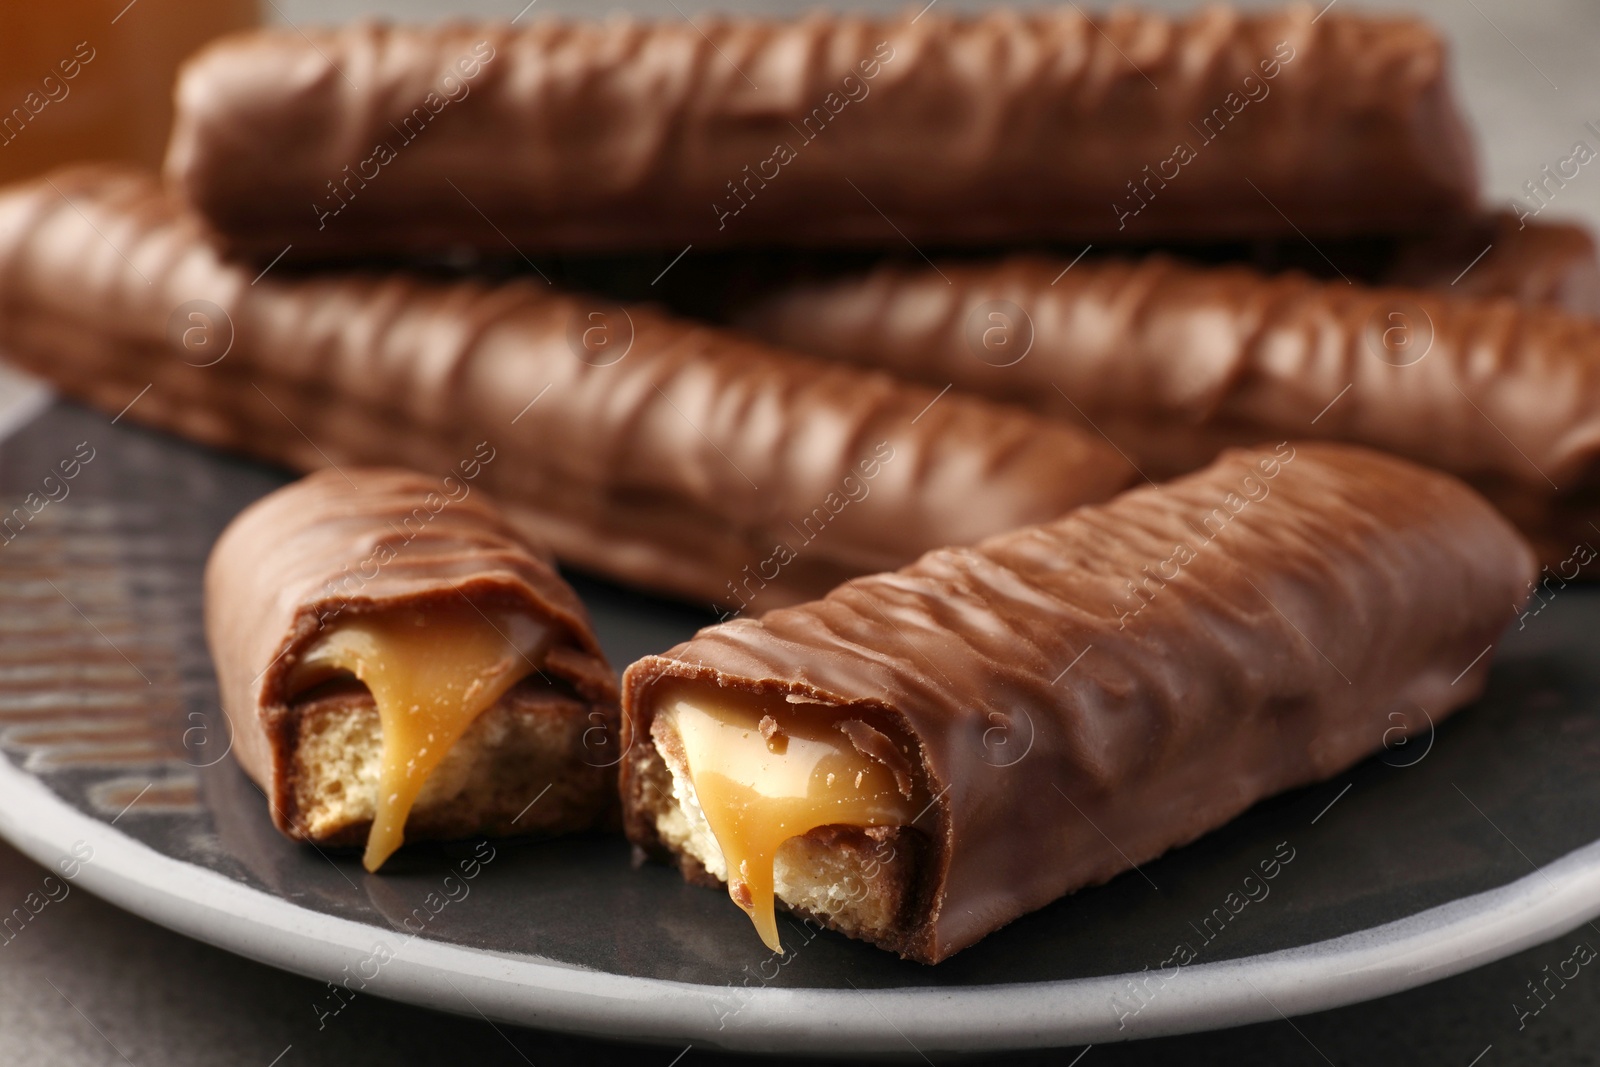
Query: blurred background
[[82, 79]]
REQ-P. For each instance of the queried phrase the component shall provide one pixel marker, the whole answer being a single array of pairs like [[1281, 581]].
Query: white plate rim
[[203, 904]]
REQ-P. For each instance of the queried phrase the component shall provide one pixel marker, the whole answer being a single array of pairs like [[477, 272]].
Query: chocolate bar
[[832, 130], [1552, 265], [1540, 264], [397, 663], [1175, 362], [923, 756], [652, 450], [1496, 254]]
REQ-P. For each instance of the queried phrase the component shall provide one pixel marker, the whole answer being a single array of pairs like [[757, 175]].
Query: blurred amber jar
[[92, 79]]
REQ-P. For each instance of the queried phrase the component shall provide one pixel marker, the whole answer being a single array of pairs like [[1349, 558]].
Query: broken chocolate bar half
[[396, 663], [923, 756]]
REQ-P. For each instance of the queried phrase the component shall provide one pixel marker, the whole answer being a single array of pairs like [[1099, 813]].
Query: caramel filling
[[760, 780], [430, 674]]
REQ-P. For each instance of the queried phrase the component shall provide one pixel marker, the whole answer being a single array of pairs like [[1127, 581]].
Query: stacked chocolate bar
[[973, 277]]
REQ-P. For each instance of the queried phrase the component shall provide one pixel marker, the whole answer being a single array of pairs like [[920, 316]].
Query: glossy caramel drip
[[759, 790], [430, 674]]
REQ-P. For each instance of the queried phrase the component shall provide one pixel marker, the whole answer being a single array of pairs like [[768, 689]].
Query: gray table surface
[[88, 984]]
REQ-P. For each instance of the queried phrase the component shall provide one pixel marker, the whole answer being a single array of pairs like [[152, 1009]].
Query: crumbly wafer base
[[860, 881], [519, 769]]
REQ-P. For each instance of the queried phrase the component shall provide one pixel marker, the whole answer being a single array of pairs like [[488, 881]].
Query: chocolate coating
[[697, 462], [1174, 362], [1005, 126], [1496, 254], [339, 544], [1540, 264], [1156, 692]]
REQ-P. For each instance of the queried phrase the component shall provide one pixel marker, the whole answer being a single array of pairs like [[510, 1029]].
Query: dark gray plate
[[1464, 845]]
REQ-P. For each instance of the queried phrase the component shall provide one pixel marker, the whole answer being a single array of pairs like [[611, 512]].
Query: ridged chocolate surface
[[1087, 694], [699, 463], [340, 543], [1175, 362], [1000, 127]]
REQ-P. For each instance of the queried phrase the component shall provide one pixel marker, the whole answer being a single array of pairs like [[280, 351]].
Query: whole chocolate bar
[[652, 450], [1175, 362], [1540, 264], [923, 756], [1553, 265], [396, 662], [1497, 254], [829, 130]]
